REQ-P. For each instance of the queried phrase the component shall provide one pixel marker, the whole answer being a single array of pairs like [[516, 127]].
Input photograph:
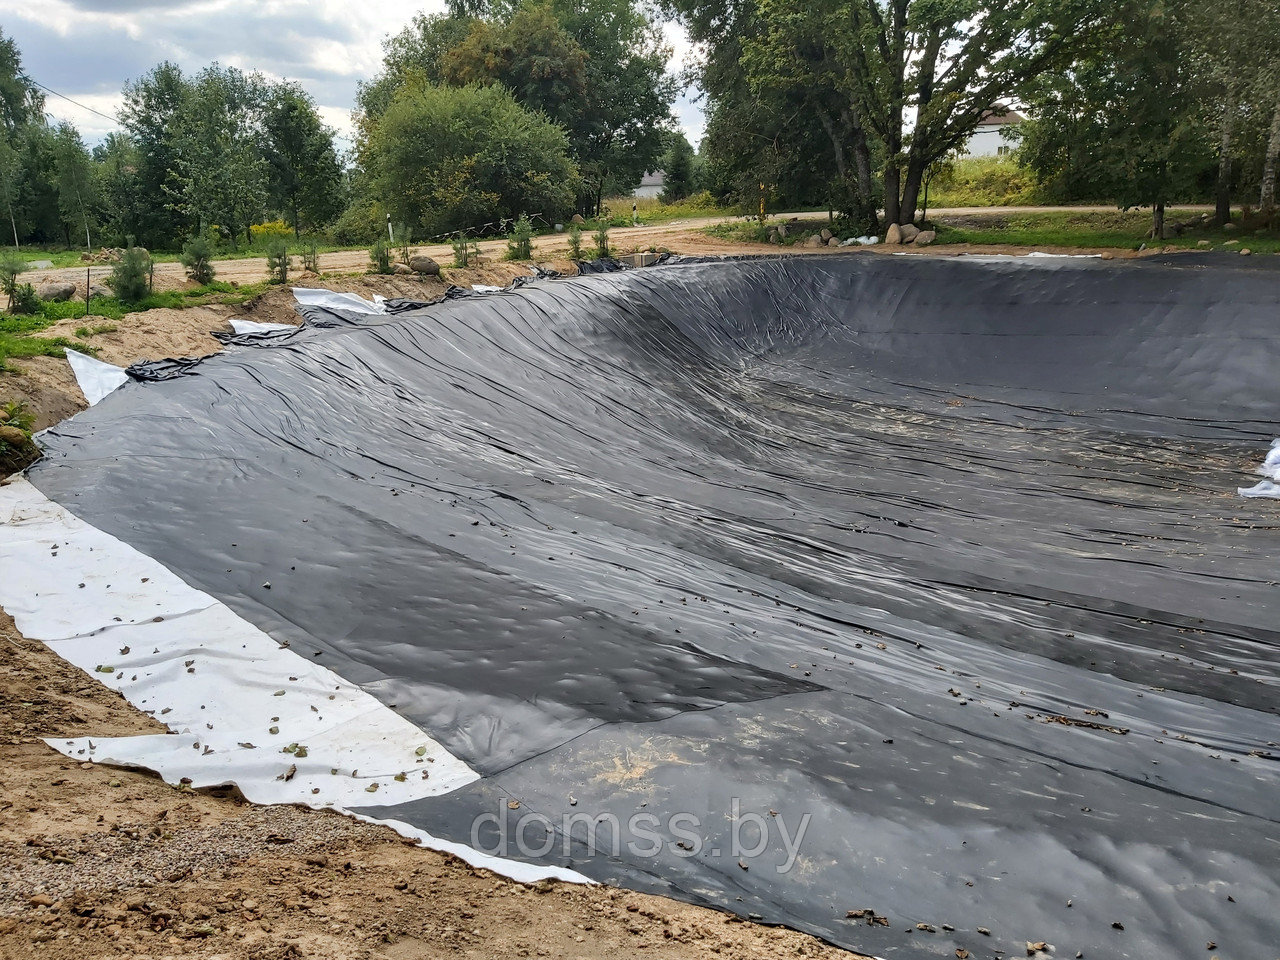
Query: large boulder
[[577, 218], [825, 234], [909, 232], [424, 265], [894, 235], [401, 269], [814, 241], [925, 237], [57, 291], [833, 241]]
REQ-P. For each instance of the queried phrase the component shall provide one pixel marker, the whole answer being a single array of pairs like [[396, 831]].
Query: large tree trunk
[[867, 213], [892, 184], [1268, 198], [1157, 221], [911, 189], [1222, 195]]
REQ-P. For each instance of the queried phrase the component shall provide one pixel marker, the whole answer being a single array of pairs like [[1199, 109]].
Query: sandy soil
[[98, 862]]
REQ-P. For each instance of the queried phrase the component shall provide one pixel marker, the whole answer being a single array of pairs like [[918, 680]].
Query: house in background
[[986, 140], [651, 184]]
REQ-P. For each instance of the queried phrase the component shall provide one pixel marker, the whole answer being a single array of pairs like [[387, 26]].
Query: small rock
[[401, 269], [1106, 255], [1230, 243], [833, 241], [1203, 243], [41, 900], [1245, 251]]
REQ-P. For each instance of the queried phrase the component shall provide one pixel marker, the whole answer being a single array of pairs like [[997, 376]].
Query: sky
[[87, 49]]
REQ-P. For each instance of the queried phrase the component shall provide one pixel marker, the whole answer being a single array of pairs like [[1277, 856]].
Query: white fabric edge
[[351, 302], [253, 326], [95, 378], [516, 870]]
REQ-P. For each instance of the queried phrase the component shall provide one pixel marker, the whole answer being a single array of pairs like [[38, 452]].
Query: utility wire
[[37, 83]]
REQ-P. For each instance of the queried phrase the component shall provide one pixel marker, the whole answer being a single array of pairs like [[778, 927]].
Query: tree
[[446, 159], [531, 55], [418, 51], [10, 178], [304, 176], [122, 207], [21, 102], [677, 168], [217, 172], [918, 75], [1122, 122], [75, 183], [151, 117]]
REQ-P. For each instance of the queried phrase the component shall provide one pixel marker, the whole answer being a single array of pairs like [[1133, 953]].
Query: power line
[[66, 98]]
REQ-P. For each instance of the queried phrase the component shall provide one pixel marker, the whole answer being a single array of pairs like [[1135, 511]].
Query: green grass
[[652, 210], [1092, 230], [1060, 228], [984, 182]]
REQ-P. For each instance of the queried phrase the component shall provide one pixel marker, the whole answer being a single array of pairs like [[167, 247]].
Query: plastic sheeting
[[928, 573], [95, 378]]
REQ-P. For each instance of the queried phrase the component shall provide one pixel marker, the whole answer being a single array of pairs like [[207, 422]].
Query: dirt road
[[681, 236]]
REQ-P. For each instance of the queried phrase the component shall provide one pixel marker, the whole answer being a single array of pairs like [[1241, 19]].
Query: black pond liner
[[941, 560]]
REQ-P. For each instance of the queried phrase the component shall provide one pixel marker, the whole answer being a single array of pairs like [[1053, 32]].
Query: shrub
[[197, 258], [24, 300], [380, 258], [520, 243], [14, 413], [131, 277], [311, 258], [270, 231], [464, 251], [404, 251], [602, 241], [575, 242], [10, 266], [278, 261], [449, 158]]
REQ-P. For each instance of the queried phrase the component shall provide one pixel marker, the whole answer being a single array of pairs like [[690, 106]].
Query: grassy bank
[[1081, 229], [19, 336]]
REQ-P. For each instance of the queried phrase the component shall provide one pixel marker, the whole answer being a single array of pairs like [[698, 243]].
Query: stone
[[98, 290], [909, 232], [833, 241], [814, 241], [56, 291], [782, 230], [774, 237], [1245, 251], [825, 234], [1104, 255], [1203, 243], [1230, 243], [402, 269], [577, 218], [925, 237], [1229, 226], [424, 265], [894, 235]]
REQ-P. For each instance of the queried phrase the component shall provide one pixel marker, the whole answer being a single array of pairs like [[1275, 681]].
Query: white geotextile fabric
[[235, 698], [351, 302], [485, 288], [240, 708], [1270, 469], [253, 326], [95, 378]]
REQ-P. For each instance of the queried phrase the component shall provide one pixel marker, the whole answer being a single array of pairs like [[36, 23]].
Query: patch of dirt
[[96, 861]]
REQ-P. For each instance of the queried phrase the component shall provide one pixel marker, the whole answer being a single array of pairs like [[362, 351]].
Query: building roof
[[999, 115]]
